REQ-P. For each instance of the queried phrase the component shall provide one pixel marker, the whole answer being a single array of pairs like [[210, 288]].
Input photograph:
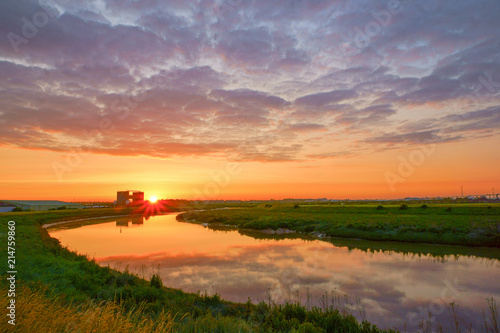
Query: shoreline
[[390, 227], [433, 249]]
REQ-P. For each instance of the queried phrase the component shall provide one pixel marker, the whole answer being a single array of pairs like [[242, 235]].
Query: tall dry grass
[[459, 325], [37, 312]]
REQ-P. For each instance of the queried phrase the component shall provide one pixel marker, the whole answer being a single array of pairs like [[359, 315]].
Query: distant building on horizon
[[124, 198], [9, 205]]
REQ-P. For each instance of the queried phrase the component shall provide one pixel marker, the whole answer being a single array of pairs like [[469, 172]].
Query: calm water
[[394, 286]]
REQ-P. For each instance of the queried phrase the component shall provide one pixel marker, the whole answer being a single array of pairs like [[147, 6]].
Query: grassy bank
[[456, 224], [58, 290]]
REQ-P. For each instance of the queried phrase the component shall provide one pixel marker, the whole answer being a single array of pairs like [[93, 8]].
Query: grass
[[39, 310], [60, 291], [459, 325], [57, 288], [452, 224]]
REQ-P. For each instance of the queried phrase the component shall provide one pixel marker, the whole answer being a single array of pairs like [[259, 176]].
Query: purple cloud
[[215, 78]]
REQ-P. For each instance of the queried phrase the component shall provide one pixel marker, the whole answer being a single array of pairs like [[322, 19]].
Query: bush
[[146, 294], [448, 209], [156, 281], [379, 207], [211, 300], [17, 209], [403, 207], [296, 206], [309, 328], [423, 206], [126, 279]]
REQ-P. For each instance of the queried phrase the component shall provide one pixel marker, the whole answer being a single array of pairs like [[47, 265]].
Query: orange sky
[[319, 99], [29, 174]]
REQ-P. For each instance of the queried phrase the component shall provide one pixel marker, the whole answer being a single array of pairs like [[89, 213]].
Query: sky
[[249, 99]]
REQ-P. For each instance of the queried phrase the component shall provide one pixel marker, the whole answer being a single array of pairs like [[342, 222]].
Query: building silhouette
[[124, 198]]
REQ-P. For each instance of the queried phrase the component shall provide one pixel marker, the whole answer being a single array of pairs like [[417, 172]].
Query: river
[[395, 285]]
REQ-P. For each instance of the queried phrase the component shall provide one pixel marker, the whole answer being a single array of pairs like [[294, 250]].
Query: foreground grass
[[41, 311], [454, 224], [57, 288]]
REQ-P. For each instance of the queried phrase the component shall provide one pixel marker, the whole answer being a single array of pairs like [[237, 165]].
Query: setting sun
[[152, 199]]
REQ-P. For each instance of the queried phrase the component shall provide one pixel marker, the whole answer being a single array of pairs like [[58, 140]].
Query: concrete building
[[124, 198], [36, 204]]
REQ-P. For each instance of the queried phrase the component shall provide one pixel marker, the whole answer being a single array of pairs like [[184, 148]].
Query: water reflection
[[413, 250], [135, 220], [395, 286]]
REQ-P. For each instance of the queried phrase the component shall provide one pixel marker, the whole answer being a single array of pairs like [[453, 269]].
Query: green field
[[452, 224]]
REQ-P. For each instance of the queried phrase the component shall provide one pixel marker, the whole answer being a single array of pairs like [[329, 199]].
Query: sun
[[152, 199]]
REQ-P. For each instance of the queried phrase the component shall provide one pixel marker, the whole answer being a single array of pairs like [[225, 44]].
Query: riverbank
[[471, 225], [55, 278]]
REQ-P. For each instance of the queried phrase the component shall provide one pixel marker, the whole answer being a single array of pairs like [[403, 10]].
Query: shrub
[[126, 279], [448, 209], [211, 300], [423, 206], [145, 294], [296, 206], [17, 209], [309, 328], [379, 207], [403, 207], [156, 281]]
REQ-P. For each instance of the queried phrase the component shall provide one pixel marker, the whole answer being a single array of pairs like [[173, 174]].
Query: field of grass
[[452, 224], [60, 291]]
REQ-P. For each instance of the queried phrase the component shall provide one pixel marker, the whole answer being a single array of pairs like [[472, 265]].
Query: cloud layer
[[247, 80]]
